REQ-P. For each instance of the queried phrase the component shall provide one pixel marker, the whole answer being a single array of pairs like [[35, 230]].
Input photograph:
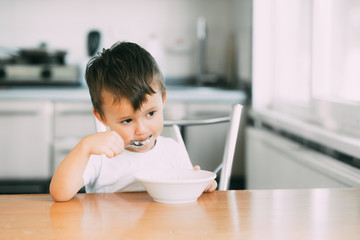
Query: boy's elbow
[[59, 195]]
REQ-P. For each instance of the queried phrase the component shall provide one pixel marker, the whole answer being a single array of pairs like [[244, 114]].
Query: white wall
[[242, 24], [64, 24]]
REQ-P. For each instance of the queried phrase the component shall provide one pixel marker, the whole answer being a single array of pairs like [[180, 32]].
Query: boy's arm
[[68, 177]]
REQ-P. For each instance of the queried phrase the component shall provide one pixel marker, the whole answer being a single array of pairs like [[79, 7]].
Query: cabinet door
[[205, 144], [275, 162], [73, 121], [25, 139], [173, 111]]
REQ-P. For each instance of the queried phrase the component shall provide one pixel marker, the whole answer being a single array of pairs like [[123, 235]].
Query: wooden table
[[259, 214]]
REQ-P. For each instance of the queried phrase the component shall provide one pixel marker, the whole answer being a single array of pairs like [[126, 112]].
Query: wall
[[65, 24], [242, 26]]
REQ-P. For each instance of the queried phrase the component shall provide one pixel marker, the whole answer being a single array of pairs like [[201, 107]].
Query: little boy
[[128, 94]]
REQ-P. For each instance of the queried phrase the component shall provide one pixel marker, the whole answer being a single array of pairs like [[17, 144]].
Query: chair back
[[226, 164]]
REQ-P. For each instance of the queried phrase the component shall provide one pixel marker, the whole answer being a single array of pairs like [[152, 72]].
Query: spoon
[[138, 143]]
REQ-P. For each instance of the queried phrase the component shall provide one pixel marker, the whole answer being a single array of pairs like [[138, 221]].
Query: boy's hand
[[212, 186], [109, 143]]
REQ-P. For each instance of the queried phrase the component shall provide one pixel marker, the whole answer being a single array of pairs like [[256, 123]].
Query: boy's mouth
[[140, 143]]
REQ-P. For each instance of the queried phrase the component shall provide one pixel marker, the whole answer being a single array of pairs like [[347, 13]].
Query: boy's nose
[[141, 128]]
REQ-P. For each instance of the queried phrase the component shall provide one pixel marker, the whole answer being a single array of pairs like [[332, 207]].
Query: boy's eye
[[126, 121], [151, 113]]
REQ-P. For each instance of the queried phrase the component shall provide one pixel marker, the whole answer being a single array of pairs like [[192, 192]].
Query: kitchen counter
[[332, 140], [174, 94], [257, 214]]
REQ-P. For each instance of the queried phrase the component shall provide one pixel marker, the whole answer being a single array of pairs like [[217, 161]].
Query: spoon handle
[[133, 146]]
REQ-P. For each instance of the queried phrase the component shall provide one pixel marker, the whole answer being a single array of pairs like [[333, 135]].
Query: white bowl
[[175, 185]]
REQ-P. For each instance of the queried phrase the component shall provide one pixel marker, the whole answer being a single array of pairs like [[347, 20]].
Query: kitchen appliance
[[205, 77], [93, 42], [38, 66], [11, 75]]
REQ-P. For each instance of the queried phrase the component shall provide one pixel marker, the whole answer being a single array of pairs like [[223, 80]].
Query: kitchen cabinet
[[25, 139], [39, 127], [205, 144], [59, 125], [73, 120], [36, 135], [275, 162]]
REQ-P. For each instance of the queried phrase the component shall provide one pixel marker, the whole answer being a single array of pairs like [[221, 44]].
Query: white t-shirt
[[117, 174]]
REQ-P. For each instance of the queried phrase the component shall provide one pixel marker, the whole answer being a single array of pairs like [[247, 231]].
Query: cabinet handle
[[74, 112], [18, 113]]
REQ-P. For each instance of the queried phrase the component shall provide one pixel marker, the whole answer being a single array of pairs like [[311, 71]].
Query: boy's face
[[140, 125]]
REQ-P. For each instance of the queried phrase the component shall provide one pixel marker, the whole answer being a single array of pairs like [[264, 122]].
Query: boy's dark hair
[[126, 70]]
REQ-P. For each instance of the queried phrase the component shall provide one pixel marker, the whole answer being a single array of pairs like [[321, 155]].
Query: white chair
[[230, 144]]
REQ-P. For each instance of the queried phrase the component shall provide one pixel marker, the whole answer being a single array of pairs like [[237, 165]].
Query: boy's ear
[[164, 97], [97, 115]]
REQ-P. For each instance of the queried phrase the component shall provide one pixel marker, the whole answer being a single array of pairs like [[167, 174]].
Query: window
[[306, 60], [336, 73]]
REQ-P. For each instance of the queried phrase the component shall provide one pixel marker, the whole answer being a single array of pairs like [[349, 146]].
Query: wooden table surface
[[259, 214]]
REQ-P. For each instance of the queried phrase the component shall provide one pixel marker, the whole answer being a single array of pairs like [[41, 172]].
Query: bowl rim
[[211, 177]]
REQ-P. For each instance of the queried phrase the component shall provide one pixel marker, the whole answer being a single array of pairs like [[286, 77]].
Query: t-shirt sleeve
[[92, 170]]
